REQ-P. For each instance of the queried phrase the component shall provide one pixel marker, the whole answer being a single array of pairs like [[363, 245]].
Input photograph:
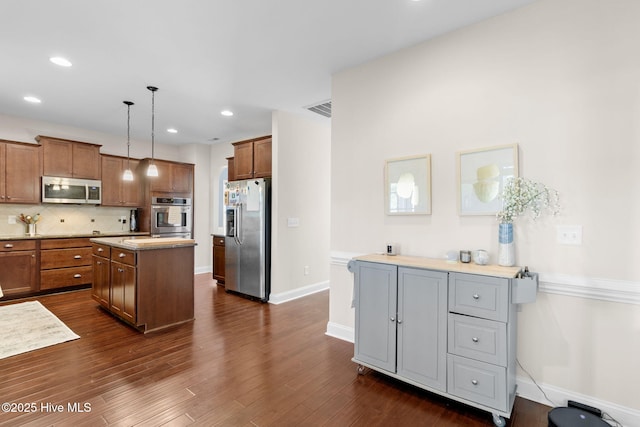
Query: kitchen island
[[146, 282]]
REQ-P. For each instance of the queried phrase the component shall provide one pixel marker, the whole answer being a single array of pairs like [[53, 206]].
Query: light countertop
[[136, 243], [70, 235]]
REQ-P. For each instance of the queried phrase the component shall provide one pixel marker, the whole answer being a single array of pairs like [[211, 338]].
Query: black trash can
[[574, 417]]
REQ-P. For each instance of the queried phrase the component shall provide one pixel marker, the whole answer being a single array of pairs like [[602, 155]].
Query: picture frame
[[482, 175], [408, 185]]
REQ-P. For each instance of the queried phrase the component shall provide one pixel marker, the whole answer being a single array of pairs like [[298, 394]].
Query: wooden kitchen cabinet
[[20, 166], [18, 267], [65, 262], [123, 284], [100, 289], [116, 191], [218, 259], [231, 169], [69, 159], [173, 177], [252, 158]]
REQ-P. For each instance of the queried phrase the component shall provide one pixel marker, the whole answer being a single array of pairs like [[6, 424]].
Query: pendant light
[[153, 169], [128, 174]]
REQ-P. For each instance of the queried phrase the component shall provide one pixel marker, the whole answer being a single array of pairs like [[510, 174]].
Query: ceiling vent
[[323, 108]]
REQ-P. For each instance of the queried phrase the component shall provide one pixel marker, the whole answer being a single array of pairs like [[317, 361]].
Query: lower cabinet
[[123, 291], [448, 332], [114, 285], [18, 267], [65, 262], [218, 258]]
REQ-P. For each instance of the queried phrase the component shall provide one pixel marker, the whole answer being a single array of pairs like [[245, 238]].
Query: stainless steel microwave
[[71, 190]]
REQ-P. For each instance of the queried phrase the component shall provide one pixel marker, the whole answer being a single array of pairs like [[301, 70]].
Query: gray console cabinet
[[449, 329]]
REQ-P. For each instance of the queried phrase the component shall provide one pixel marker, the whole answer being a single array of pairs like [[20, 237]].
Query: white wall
[[561, 79], [301, 191]]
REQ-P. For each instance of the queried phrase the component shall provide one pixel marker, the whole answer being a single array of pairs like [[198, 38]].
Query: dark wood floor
[[240, 363]]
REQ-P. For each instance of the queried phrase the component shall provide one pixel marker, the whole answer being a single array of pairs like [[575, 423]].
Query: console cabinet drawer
[[60, 258], [101, 250], [479, 382], [17, 245], [63, 277], [479, 296], [480, 339]]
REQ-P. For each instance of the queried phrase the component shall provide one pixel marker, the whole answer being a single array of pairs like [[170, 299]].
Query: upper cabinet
[[20, 166], [71, 159], [173, 177], [252, 158], [115, 191]]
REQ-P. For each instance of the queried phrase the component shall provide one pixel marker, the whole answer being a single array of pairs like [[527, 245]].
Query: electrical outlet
[[569, 234], [306, 270], [12, 219]]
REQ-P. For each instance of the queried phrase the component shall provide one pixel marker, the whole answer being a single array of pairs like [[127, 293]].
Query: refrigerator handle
[[239, 223]]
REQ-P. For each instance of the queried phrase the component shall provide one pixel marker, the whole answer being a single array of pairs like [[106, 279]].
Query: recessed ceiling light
[[58, 60], [226, 113], [32, 99], [172, 130]]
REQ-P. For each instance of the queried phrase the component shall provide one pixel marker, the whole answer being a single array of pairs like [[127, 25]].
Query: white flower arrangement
[[521, 194]]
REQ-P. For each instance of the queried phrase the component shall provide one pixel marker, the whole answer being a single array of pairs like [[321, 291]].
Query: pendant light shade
[[152, 170], [128, 174]]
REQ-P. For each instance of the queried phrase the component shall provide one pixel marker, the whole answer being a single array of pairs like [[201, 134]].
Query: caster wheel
[[499, 421], [360, 370]]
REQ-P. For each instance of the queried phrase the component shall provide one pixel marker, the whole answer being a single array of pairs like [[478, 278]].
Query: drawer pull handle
[[77, 276], [475, 339], [122, 255], [100, 250], [77, 256], [474, 382], [8, 245], [476, 296]]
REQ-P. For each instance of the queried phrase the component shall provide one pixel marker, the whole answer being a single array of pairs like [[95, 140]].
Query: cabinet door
[[22, 173], [262, 158], [17, 272], [111, 181], [422, 326], [231, 169], [57, 157], [181, 178], [123, 291], [218, 259], [100, 286], [376, 306], [243, 160], [3, 164], [86, 161]]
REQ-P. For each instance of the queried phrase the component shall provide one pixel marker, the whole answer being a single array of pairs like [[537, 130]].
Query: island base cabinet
[[123, 291]]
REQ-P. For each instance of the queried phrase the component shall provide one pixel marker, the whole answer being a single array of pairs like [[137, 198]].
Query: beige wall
[[301, 190], [561, 79]]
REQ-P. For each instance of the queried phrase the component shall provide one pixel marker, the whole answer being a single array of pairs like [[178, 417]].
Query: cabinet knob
[[99, 262], [474, 382], [393, 319], [77, 276], [476, 296], [399, 321], [77, 257], [120, 270], [8, 245], [475, 339]]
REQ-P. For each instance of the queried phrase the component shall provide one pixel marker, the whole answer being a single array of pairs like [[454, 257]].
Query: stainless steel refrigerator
[[248, 238]]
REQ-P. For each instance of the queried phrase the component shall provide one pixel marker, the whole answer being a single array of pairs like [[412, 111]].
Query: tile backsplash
[[64, 219]]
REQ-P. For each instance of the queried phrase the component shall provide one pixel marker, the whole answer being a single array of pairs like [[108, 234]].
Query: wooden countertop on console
[[441, 264]]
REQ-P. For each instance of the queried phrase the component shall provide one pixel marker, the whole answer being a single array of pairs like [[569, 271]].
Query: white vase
[[506, 248], [31, 229]]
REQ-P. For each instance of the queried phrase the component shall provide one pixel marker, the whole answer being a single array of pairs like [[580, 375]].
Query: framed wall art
[[482, 175], [408, 185]]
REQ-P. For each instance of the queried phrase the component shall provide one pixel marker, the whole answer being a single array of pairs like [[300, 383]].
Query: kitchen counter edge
[[119, 242], [69, 236]]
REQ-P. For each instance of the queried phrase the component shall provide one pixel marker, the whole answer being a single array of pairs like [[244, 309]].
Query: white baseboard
[[341, 332], [281, 297], [559, 397], [205, 269]]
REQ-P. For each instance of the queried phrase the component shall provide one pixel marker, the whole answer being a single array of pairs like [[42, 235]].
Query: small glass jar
[[465, 256]]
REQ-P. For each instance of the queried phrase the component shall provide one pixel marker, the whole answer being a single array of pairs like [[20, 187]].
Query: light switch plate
[[293, 222], [569, 234]]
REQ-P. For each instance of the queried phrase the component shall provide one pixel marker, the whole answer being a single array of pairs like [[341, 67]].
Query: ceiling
[[248, 56]]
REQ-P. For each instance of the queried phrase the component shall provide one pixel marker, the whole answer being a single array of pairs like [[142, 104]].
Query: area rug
[[29, 326]]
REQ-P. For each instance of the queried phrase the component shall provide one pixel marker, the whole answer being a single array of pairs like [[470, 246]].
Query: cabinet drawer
[[480, 339], [218, 240], [480, 296], [17, 245], [101, 250], [60, 258], [124, 256], [75, 242], [62, 277], [477, 381]]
